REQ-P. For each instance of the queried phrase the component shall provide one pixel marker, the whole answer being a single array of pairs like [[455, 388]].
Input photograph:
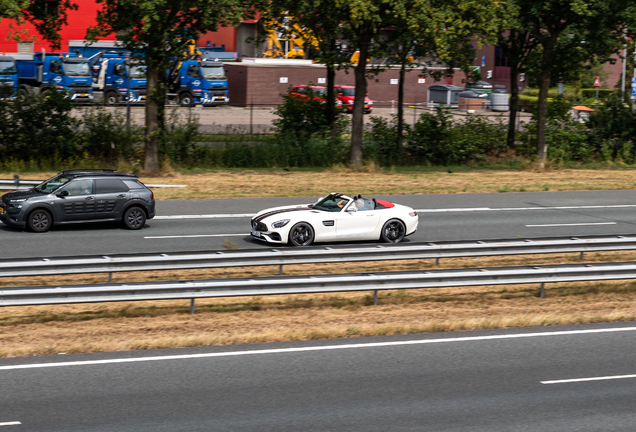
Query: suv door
[[75, 201], [112, 193]]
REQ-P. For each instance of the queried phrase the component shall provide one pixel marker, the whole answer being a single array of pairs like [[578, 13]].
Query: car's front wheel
[[393, 231], [134, 218], [301, 234], [40, 221]]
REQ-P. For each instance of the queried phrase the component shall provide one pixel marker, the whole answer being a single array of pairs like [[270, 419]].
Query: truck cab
[[8, 77], [195, 82], [118, 79], [54, 71]]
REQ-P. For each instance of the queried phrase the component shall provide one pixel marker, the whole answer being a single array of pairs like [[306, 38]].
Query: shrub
[[106, 137]]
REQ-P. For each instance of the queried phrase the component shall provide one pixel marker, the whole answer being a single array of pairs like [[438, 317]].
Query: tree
[[160, 31], [569, 34]]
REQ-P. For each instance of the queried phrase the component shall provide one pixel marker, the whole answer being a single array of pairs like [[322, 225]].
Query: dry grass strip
[[373, 181], [45, 330]]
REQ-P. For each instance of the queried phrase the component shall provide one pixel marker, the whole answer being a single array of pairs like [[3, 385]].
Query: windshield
[[77, 69], [7, 67], [213, 72], [51, 184], [331, 203], [138, 71], [348, 91]]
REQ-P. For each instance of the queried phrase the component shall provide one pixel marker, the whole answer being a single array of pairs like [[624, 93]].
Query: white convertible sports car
[[335, 217]]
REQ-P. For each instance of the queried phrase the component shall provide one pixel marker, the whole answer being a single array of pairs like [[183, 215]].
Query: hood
[[276, 211], [22, 193]]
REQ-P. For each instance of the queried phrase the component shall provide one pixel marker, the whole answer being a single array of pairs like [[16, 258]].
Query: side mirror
[[64, 193], [352, 209]]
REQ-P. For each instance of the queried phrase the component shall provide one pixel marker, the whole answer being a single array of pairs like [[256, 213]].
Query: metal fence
[[19, 296], [17, 183]]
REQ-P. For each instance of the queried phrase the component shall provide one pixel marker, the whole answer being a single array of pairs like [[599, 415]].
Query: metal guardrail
[[310, 255], [193, 289], [17, 183]]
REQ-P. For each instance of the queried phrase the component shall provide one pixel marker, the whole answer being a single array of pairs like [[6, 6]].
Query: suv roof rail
[[88, 170]]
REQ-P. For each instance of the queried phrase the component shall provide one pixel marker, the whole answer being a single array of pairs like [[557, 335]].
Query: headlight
[[280, 223], [350, 102], [18, 200]]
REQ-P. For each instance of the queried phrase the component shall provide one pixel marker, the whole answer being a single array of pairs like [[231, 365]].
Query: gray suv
[[77, 196]]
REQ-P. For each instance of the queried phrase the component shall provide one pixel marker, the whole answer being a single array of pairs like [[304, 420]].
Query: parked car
[[335, 217], [78, 196], [347, 94], [317, 92]]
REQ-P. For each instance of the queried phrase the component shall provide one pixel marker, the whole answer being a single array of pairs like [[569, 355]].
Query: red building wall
[[78, 22]]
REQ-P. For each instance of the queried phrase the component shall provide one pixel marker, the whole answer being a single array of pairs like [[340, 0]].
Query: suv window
[[110, 186], [79, 187], [132, 184]]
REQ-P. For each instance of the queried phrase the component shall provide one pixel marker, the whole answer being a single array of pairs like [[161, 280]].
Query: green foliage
[[106, 137], [43, 128], [178, 141], [302, 118], [614, 128]]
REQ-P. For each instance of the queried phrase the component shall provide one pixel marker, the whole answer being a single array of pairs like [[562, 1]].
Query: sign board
[[421, 80], [283, 80], [322, 80], [597, 82], [394, 81], [483, 61], [633, 88]]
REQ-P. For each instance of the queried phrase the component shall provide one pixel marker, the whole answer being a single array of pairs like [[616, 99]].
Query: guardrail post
[[280, 270], [16, 179], [581, 256], [110, 277], [192, 311], [542, 290], [436, 261], [375, 297]]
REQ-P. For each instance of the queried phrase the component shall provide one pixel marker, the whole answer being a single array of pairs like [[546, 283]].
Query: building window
[[500, 58]]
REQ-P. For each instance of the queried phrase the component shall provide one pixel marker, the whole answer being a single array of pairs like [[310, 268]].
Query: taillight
[[152, 196], [413, 214]]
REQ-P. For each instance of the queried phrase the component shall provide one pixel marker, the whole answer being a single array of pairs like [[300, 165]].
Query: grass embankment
[[373, 181], [147, 325]]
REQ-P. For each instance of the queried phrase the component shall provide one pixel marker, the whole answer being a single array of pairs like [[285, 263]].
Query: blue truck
[[195, 82], [117, 79], [54, 71], [8, 77]]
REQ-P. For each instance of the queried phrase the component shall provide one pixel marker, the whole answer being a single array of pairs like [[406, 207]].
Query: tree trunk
[[514, 105], [153, 126], [357, 122], [542, 110], [400, 118], [331, 97]]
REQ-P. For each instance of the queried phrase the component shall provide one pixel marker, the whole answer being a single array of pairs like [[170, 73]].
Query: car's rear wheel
[[301, 234], [112, 98], [393, 231], [40, 221], [134, 218]]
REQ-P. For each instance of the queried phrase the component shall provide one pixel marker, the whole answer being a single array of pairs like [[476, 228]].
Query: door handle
[[90, 198], [121, 196]]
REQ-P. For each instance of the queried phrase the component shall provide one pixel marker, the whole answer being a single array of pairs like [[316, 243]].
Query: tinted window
[[110, 186], [79, 187], [132, 184]]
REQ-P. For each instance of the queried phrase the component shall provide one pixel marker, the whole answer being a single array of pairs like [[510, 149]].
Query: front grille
[[259, 226], [86, 89], [217, 93], [218, 88]]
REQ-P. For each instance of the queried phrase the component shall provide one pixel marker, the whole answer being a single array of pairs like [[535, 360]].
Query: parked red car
[[318, 92], [347, 94]]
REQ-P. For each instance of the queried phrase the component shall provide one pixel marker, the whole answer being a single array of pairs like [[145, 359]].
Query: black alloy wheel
[[40, 221], [393, 231], [301, 234], [134, 218]]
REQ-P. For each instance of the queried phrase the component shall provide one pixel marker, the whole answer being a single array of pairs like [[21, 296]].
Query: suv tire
[[40, 221], [134, 218]]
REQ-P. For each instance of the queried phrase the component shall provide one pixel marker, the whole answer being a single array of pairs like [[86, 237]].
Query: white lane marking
[[316, 348], [14, 423], [574, 380], [573, 224], [196, 235], [444, 210]]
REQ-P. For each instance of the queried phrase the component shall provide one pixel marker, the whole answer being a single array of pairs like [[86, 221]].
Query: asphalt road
[[490, 381], [197, 225]]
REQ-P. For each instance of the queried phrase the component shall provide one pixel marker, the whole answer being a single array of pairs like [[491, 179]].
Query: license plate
[[1, 209], [219, 98], [256, 233], [83, 95]]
